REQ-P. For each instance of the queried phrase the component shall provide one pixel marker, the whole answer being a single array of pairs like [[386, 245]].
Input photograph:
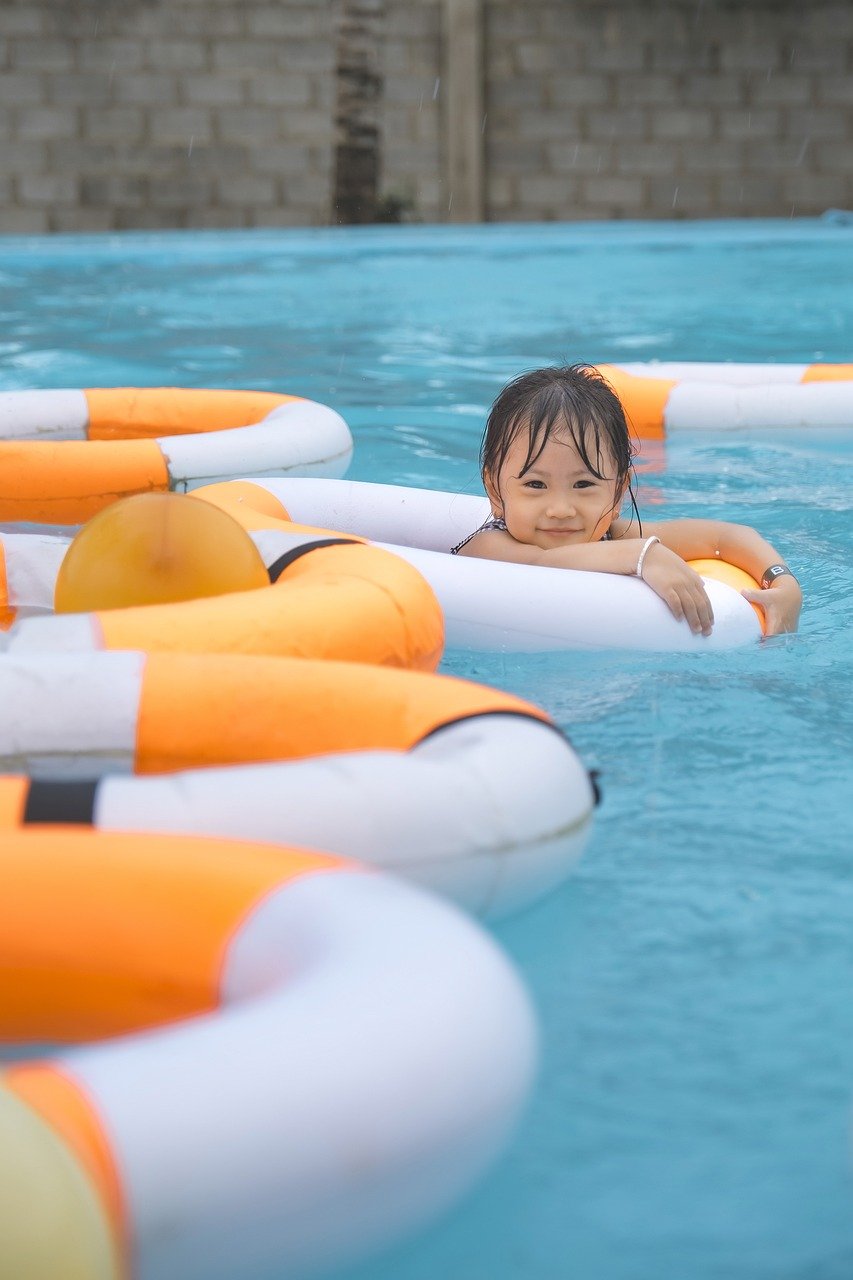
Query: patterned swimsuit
[[495, 523], [498, 522]]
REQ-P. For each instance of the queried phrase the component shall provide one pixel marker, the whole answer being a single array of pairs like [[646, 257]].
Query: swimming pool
[[695, 979]]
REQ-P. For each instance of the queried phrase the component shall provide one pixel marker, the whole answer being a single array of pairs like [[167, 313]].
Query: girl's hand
[[781, 603], [680, 587]]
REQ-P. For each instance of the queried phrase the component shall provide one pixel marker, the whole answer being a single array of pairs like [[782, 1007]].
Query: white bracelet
[[649, 542]]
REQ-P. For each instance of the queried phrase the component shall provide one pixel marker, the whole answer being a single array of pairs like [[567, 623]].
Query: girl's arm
[[742, 546], [665, 572]]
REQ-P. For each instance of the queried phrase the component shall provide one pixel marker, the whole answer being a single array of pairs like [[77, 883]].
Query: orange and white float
[[191, 580], [67, 454], [289, 1062], [465, 789], [490, 604], [666, 396]]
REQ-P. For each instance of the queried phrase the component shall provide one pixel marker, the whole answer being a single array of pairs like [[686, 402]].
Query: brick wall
[[164, 113], [220, 113], [668, 108]]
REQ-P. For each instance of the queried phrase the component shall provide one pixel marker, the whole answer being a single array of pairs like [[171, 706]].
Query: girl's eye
[[534, 484], [584, 484]]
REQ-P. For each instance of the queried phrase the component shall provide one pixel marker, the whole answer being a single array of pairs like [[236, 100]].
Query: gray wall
[[220, 113]]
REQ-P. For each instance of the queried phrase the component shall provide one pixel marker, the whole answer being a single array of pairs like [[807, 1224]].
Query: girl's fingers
[[697, 609], [706, 611]]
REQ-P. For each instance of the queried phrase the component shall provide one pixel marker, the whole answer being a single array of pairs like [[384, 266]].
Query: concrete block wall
[[668, 108], [122, 114], [118, 114]]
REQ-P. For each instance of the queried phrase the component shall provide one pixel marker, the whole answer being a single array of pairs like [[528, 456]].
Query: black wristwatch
[[775, 571]]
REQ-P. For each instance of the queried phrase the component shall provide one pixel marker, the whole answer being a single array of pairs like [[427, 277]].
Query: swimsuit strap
[[496, 522]]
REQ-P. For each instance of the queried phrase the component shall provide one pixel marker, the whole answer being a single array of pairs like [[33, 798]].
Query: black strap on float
[[65, 802], [278, 566]]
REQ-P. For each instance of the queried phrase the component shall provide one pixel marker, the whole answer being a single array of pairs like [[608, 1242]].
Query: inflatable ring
[[278, 1021], [155, 713], [329, 597], [659, 398], [64, 455], [466, 789], [491, 604]]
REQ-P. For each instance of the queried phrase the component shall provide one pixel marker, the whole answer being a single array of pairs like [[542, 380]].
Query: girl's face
[[558, 502]]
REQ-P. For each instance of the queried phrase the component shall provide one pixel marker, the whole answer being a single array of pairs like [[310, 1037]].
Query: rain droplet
[[190, 147], [674, 197], [803, 149], [435, 88]]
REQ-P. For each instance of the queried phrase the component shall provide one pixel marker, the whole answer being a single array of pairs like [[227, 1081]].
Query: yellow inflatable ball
[[155, 548]]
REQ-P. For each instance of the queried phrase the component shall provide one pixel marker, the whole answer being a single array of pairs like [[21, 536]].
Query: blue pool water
[[695, 979]]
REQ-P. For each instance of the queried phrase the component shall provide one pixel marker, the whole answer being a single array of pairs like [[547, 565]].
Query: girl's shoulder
[[622, 528], [496, 524]]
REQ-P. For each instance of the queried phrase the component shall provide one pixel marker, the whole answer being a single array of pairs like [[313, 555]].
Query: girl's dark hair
[[572, 400]]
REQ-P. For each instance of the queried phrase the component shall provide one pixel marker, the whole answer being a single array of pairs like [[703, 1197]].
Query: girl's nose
[[560, 505]]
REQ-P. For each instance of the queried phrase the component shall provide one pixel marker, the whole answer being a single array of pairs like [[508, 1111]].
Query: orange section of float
[[69, 481], [70, 969], [290, 708], [732, 576], [245, 496], [325, 574], [154, 548], [643, 399], [828, 373], [312, 611], [13, 799], [253, 507], [61, 1102], [7, 612], [126, 413]]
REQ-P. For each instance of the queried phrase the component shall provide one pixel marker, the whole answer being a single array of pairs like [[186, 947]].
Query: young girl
[[556, 463]]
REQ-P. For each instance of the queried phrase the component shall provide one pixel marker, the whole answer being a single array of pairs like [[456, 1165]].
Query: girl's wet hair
[[572, 400]]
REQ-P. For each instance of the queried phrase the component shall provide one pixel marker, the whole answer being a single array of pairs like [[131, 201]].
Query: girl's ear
[[493, 494]]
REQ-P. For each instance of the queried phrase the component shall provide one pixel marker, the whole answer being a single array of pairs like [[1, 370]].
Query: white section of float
[[370, 1060], [43, 415], [492, 812], [735, 375], [492, 605], [32, 562], [54, 633], [712, 406], [301, 435], [73, 716]]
